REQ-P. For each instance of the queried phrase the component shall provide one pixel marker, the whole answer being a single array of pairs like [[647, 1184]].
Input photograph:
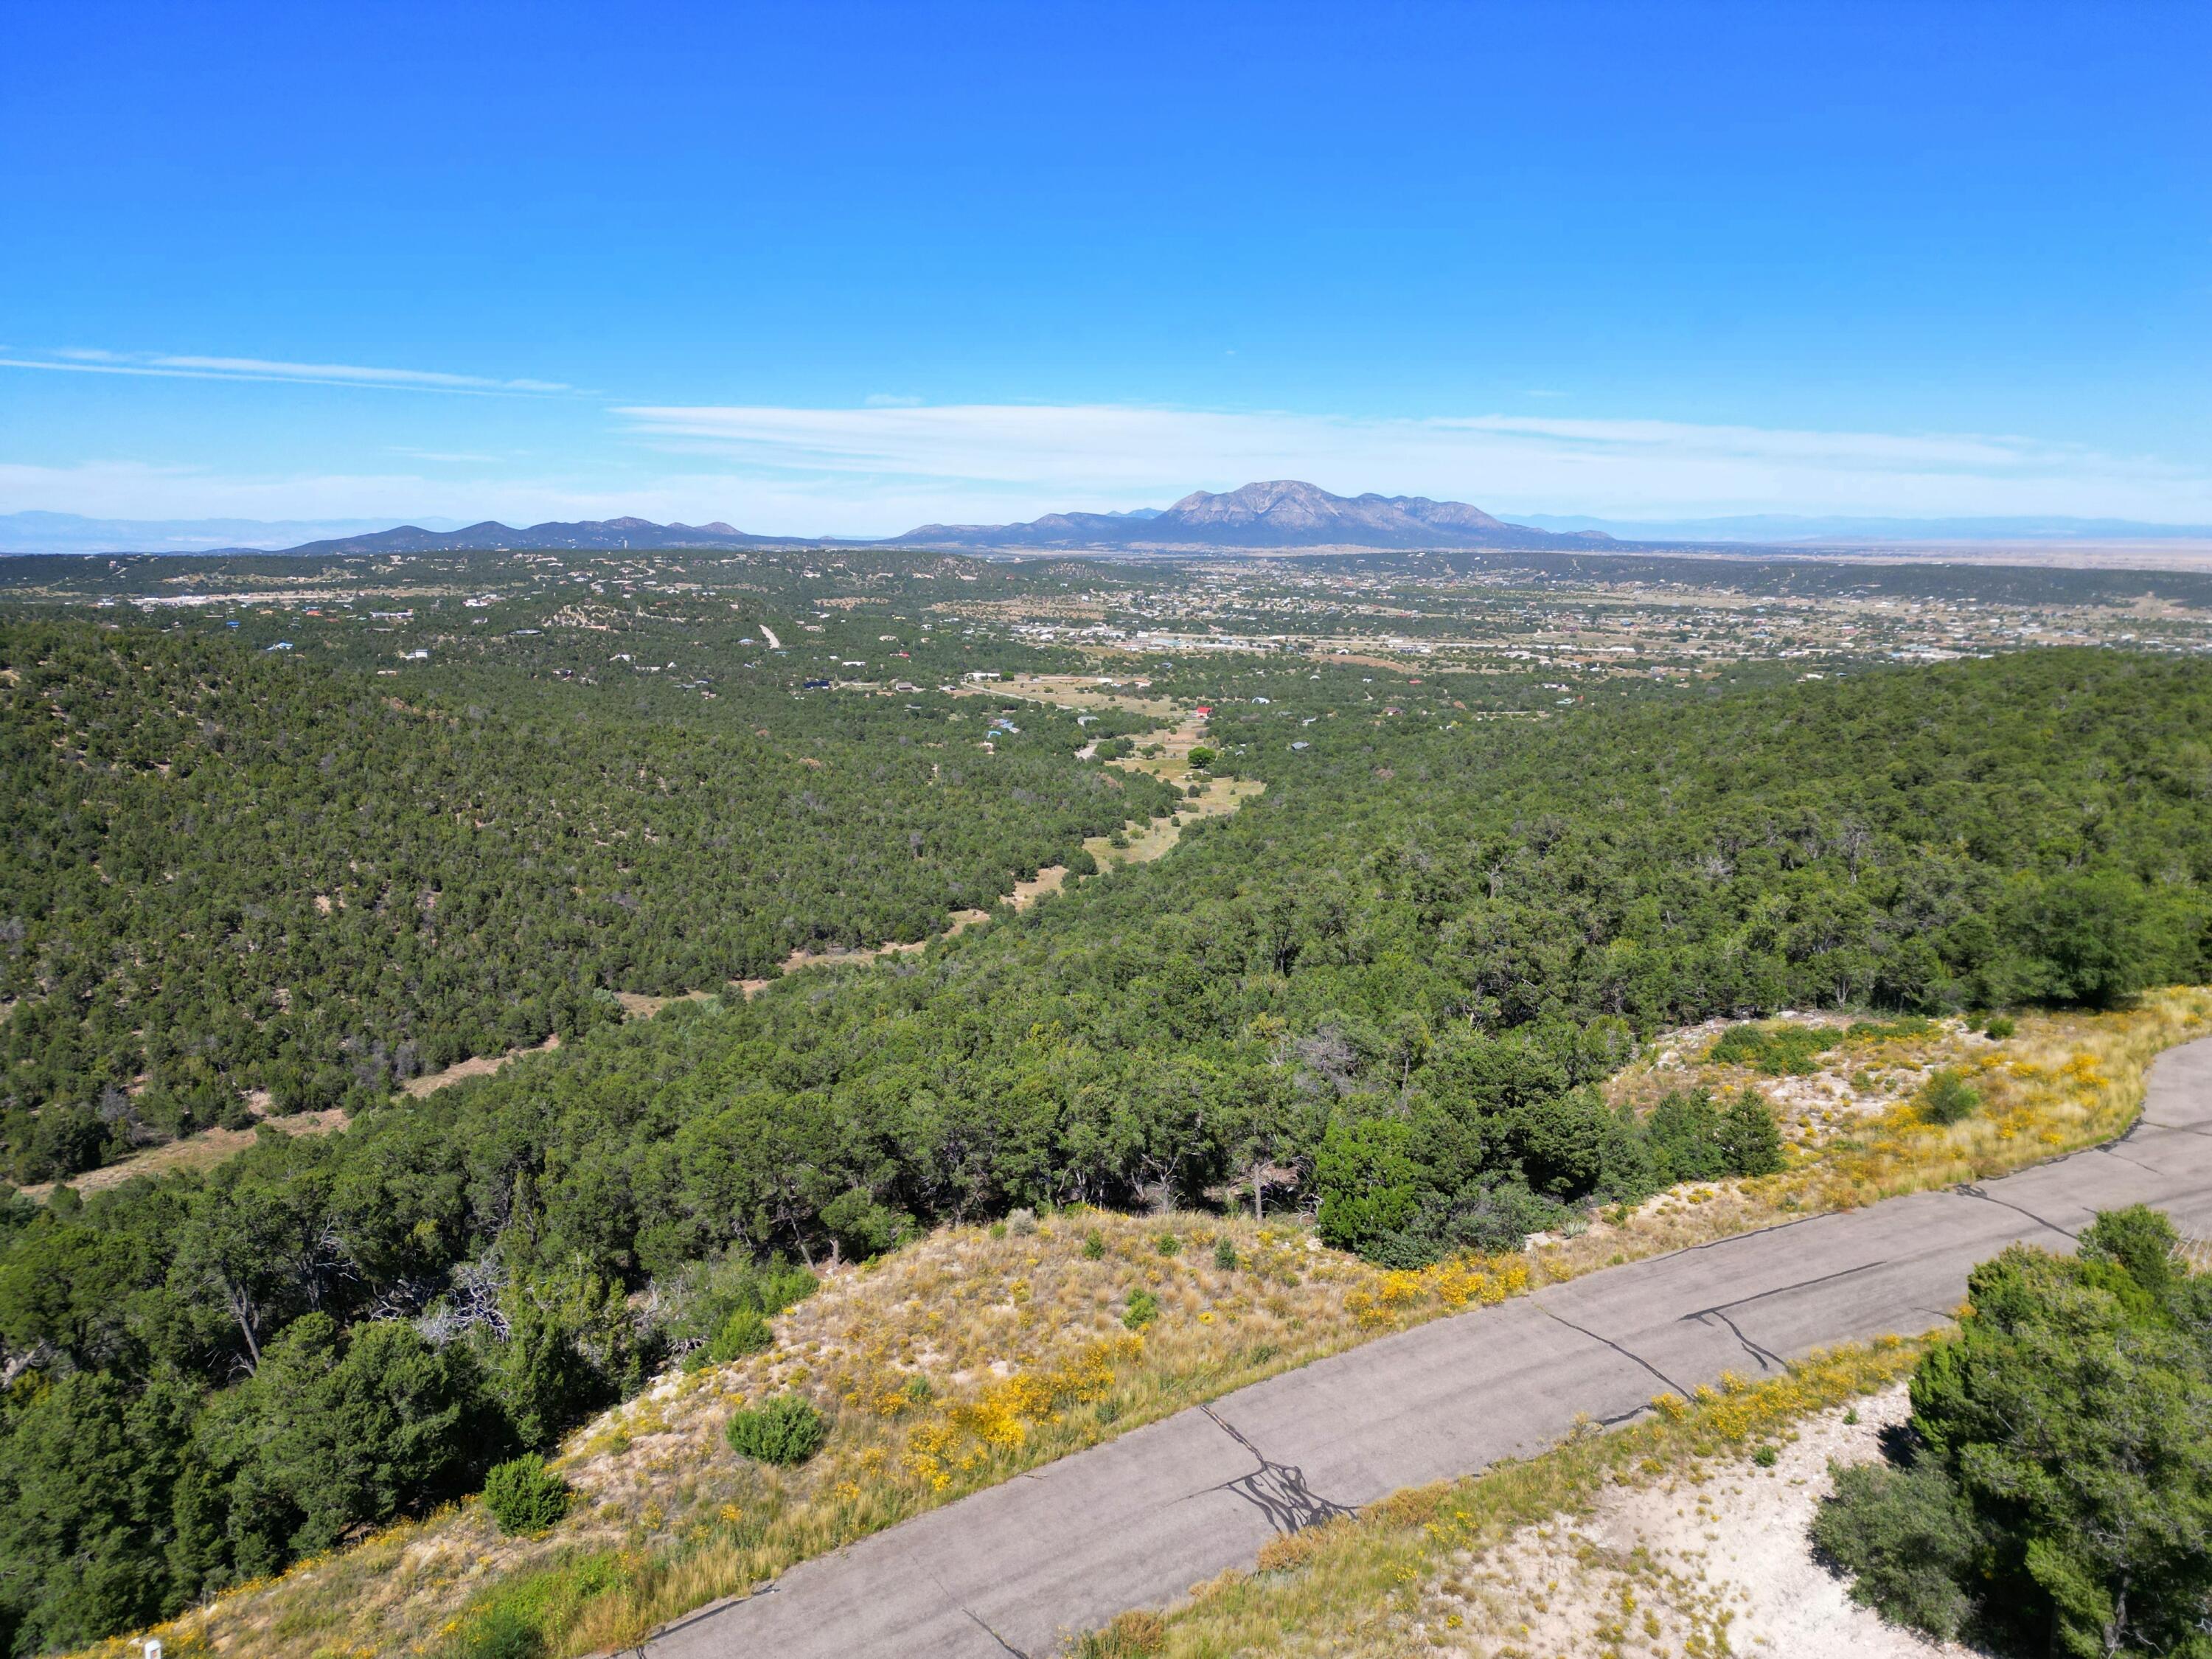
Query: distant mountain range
[[602, 535], [71, 532], [1279, 515], [1284, 514], [1258, 517]]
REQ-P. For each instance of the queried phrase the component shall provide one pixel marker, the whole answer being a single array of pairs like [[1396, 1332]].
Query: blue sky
[[829, 268]]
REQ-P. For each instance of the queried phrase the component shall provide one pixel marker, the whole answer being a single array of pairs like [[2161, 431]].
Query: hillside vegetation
[[230, 871], [979, 1352], [1385, 991]]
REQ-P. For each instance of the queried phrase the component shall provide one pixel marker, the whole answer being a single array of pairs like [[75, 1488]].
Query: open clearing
[[201, 1151], [1714, 1559]]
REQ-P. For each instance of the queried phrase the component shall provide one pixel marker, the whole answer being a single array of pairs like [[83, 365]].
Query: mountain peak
[[1284, 513]]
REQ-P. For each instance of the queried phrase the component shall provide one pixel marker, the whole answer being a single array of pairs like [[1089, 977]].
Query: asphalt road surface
[[1136, 1521]]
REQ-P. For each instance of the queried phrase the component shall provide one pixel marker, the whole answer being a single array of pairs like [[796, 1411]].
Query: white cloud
[[168, 366], [1015, 457], [879, 471]]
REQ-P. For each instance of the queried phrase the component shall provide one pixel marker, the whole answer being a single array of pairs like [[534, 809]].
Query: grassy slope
[[1019, 1335]]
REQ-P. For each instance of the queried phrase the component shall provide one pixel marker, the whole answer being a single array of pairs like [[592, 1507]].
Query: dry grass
[[1396, 1580], [1856, 1132], [948, 1366], [978, 1352]]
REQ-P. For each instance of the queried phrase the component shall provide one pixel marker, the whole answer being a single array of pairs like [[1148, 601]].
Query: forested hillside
[[1382, 990], [230, 870]]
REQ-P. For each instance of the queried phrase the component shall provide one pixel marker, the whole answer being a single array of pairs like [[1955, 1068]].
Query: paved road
[[1138, 1521]]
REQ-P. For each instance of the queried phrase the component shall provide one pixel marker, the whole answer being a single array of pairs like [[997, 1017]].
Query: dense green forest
[[231, 870], [1381, 992]]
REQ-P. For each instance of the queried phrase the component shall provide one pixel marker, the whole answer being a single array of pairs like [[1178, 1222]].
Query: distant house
[[815, 685]]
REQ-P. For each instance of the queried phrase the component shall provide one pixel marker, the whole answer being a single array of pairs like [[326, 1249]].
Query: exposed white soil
[[1712, 1562]]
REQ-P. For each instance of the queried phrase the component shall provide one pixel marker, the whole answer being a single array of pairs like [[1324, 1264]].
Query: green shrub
[[1777, 1050], [709, 1293], [1766, 1457], [1749, 1138], [1168, 1245], [785, 1430], [525, 1497], [1225, 1254], [1948, 1097], [1143, 1308], [2000, 1027], [1202, 757], [1094, 1245], [2058, 1499], [746, 1331], [1907, 1537]]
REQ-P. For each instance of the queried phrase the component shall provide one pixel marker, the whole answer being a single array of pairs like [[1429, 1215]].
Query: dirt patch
[[1716, 1560], [476, 1066], [200, 1152], [637, 1006], [1026, 893]]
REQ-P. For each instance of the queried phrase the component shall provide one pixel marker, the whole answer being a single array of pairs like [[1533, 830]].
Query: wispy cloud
[[175, 366], [880, 470], [1120, 455]]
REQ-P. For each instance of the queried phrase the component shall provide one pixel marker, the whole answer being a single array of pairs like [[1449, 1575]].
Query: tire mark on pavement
[[1277, 1490], [1966, 1190], [1767, 1358], [1624, 1352]]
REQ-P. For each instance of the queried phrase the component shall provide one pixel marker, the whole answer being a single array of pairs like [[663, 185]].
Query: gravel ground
[[1711, 1563]]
